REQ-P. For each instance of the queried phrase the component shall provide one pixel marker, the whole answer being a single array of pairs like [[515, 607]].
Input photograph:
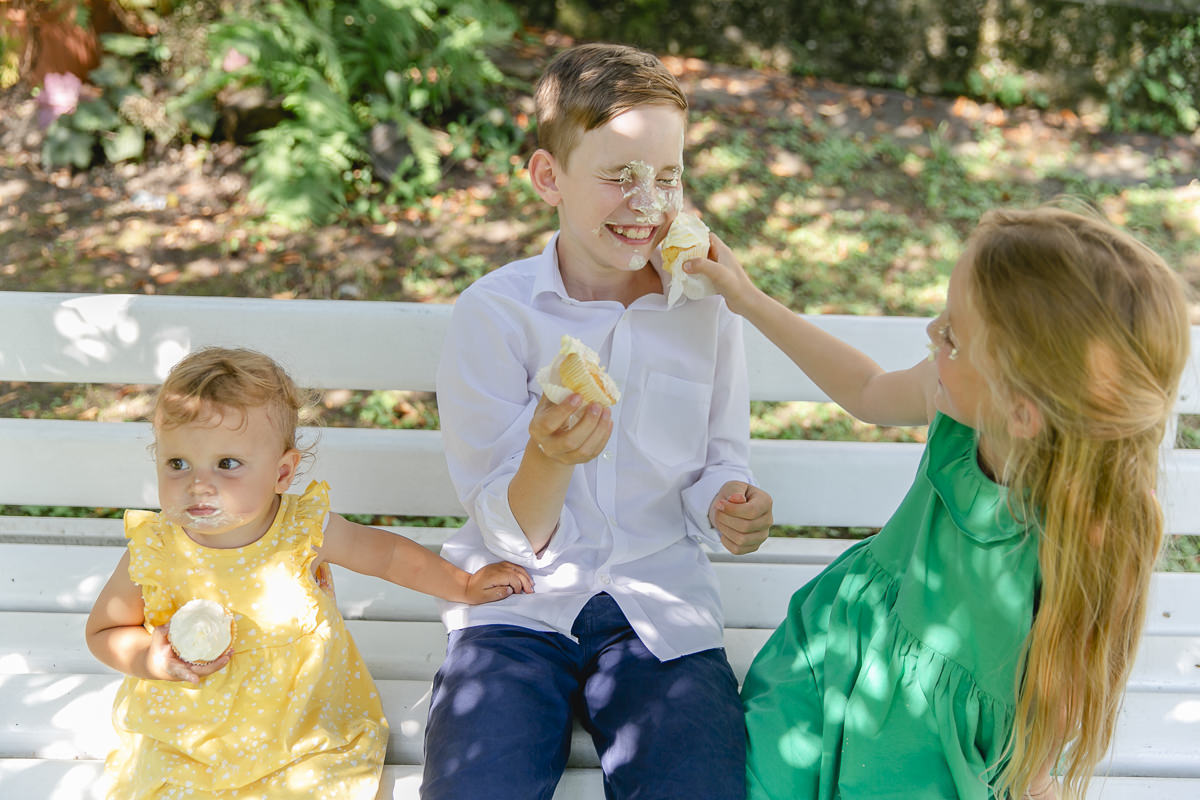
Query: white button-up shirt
[[634, 517]]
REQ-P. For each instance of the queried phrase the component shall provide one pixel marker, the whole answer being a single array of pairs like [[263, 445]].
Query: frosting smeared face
[[621, 190], [218, 476]]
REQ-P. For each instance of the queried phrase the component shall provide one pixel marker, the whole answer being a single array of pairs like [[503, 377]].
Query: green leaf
[[127, 143], [124, 44], [112, 73], [201, 119], [1157, 92], [64, 147], [95, 115]]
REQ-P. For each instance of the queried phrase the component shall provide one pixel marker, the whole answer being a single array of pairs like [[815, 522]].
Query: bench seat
[[55, 728]]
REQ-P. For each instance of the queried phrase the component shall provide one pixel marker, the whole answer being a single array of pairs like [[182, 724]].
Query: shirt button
[[604, 579], [607, 456]]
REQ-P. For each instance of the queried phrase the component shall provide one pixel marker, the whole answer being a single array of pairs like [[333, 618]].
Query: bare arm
[[851, 378], [116, 635], [539, 487], [395, 558]]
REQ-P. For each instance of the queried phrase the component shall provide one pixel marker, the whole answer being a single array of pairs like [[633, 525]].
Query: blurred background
[[375, 150]]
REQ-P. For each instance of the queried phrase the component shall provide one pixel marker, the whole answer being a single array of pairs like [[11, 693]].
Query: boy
[[606, 507]]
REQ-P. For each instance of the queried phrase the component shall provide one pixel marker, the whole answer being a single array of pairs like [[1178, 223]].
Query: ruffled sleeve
[[312, 514], [147, 564]]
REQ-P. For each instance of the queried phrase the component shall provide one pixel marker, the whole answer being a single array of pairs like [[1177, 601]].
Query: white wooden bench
[[56, 699]]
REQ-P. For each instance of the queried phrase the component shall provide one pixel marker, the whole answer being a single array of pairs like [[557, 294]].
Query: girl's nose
[[200, 484]]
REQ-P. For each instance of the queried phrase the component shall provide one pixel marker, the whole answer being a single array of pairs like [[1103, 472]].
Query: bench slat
[[52, 716], [67, 578], [54, 643], [404, 472], [124, 338], [32, 779]]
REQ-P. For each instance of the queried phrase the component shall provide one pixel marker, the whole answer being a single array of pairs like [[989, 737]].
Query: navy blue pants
[[503, 701]]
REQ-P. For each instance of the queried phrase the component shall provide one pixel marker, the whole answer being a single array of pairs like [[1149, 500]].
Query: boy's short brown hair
[[229, 379], [586, 86]]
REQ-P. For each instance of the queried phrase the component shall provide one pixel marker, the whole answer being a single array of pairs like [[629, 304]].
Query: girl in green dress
[[979, 644]]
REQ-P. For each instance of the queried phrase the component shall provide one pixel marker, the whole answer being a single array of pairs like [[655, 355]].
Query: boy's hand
[[164, 665], [741, 513], [559, 440], [727, 275], [497, 581]]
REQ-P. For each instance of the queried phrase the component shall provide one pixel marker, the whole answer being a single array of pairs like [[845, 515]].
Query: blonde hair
[[586, 86], [1089, 327], [229, 379]]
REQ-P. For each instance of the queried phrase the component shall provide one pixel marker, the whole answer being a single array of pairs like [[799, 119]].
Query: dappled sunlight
[[52, 780], [84, 593], [57, 716], [96, 325], [14, 664], [1186, 711]]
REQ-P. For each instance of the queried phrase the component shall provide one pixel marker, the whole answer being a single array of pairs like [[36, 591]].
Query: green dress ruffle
[[894, 673]]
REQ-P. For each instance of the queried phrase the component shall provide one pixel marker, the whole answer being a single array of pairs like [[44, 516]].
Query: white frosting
[[200, 630], [650, 199], [690, 236]]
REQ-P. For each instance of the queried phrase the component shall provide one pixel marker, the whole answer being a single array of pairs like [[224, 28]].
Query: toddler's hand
[[560, 440], [497, 581], [727, 275], [165, 665], [741, 513]]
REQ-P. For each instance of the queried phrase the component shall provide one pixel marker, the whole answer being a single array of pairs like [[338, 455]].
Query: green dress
[[893, 675]]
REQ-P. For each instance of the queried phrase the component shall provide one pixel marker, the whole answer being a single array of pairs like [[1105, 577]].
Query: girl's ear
[[1024, 421], [543, 174], [289, 462]]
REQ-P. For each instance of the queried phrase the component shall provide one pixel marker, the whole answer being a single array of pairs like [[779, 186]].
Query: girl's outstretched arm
[[117, 637], [850, 377], [395, 558]]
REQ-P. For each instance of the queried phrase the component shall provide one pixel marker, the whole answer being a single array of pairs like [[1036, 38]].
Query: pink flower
[[233, 61], [60, 95]]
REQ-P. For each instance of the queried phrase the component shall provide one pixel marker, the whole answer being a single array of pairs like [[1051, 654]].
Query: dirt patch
[[180, 222]]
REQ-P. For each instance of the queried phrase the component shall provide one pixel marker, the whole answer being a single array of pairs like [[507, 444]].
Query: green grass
[[825, 221]]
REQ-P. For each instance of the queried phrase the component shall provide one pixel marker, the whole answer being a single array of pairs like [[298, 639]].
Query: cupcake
[[686, 239], [576, 369], [200, 631]]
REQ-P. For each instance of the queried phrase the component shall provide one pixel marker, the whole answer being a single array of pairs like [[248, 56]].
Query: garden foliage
[[368, 89]]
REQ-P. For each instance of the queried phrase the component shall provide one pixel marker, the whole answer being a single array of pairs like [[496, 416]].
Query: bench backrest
[[135, 339]]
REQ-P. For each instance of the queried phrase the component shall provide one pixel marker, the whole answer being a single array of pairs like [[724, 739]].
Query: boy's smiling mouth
[[635, 234]]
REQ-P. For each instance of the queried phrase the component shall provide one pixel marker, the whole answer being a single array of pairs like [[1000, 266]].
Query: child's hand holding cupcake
[[196, 642]]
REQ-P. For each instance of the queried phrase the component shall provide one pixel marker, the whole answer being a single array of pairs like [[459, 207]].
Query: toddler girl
[[290, 706], [982, 639]]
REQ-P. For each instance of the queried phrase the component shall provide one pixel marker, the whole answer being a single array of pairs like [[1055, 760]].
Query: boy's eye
[[228, 463], [176, 464]]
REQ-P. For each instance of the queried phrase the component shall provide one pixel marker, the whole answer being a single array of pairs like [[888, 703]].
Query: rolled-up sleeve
[[485, 407], [728, 453]]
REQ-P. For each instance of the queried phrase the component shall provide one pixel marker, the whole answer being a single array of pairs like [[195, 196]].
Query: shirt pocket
[[672, 424]]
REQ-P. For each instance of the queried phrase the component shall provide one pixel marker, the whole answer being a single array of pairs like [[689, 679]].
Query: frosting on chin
[[200, 631]]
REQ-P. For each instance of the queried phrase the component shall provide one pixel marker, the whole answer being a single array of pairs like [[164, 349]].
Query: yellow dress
[[294, 714]]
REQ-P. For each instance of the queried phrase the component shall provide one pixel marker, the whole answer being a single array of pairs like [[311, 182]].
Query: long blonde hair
[[1089, 328]]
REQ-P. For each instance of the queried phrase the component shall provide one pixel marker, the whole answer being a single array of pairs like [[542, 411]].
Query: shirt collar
[[548, 279]]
